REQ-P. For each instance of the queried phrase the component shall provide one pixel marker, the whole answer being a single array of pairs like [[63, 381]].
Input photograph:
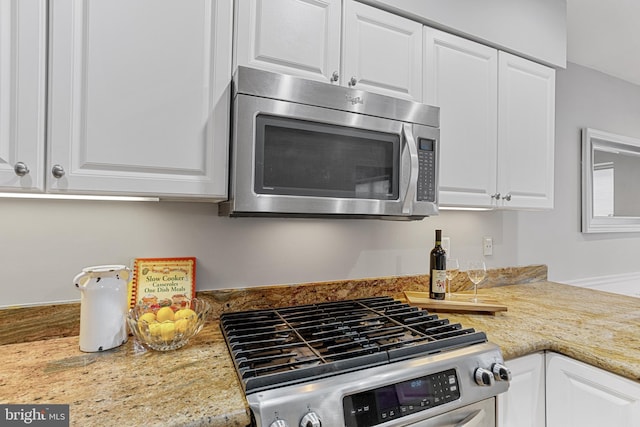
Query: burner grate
[[280, 346]]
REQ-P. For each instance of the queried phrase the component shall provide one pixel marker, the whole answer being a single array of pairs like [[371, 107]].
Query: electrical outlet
[[446, 244], [487, 246]]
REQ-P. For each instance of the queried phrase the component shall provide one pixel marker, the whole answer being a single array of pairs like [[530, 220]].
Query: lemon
[[182, 325], [168, 330], [155, 330], [186, 313], [165, 313], [147, 317]]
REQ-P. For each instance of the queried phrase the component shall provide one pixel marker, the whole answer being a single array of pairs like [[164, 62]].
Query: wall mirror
[[610, 182]]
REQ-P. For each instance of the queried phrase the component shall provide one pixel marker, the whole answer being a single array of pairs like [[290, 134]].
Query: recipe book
[[163, 282]]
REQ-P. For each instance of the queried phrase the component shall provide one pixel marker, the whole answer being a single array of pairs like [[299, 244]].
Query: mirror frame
[[592, 139]]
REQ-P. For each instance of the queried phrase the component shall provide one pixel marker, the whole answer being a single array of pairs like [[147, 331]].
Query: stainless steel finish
[[257, 91], [264, 84], [473, 420], [310, 419], [324, 396], [352, 81], [501, 372], [335, 76], [57, 171], [412, 185], [279, 423], [21, 169], [507, 197], [481, 414], [483, 377]]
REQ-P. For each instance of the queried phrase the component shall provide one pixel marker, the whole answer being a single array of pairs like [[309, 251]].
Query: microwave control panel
[[427, 170]]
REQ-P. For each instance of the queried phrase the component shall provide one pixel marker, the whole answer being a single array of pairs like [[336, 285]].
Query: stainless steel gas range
[[362, 363]]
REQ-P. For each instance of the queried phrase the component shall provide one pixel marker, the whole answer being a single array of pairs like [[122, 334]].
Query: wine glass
[[453, 268], [476, 272]]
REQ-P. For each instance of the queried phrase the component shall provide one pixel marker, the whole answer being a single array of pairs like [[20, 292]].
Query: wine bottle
[[438, 269]]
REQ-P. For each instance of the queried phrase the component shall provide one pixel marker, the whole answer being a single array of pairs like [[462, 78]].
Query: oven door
[[480, 414], [296, 159]]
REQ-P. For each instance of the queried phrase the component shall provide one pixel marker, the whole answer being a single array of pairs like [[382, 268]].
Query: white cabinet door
[[461, 77], [139, 97], [382, 52], [526, 126], [580, 395], [22, 94], [523, 405], [296, 37]]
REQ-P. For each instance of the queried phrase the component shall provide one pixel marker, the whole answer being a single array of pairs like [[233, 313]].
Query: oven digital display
[[372, 407]]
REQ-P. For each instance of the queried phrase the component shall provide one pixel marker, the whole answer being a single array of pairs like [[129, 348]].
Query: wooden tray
[[459, 303]]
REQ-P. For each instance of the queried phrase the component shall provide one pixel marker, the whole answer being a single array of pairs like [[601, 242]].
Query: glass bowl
[[166, 328]]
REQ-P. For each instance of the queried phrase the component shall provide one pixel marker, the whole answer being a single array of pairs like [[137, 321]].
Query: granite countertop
[[197, 385]]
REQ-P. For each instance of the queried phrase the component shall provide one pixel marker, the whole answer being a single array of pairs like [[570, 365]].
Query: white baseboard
[[625, 284]]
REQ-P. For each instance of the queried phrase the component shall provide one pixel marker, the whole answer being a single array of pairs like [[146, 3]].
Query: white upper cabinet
[[526, 133], [298, 37], [139, 97], [580, 395], [497, 124], [22, 94], [382, 52], [461, 77]]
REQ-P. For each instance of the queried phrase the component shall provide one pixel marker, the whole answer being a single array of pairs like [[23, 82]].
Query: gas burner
[[293, 344]]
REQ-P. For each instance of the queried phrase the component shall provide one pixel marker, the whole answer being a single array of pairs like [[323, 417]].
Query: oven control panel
[[426, 170], [372, 407]]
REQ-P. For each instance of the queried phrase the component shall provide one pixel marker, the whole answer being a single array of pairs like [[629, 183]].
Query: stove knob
[[483, 377], [310, 420], [279, 423], [501, 372]]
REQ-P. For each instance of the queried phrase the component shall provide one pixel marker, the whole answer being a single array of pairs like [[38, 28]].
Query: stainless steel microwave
[[313, 149]]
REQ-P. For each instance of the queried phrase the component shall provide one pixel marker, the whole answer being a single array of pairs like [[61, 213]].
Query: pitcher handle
[[77, 280]]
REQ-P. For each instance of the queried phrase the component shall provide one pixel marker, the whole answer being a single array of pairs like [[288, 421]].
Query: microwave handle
[[407, 204]]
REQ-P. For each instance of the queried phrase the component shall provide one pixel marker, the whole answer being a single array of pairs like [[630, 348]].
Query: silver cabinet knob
[[507, 197], [352, 81], [21, 169], [335, 76], [311, 419], [501, 372], [57, 171], [496, 196]]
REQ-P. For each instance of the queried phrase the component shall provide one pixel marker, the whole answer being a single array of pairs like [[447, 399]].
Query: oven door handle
[[472, 420], [407, 204]]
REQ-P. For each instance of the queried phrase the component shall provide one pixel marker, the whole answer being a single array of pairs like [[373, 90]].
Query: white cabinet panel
[[382, 52], [139, 97], [461, 77], [526, 127], [523, 405], [580, 395], [299, 37], [22, 93], [497, 124]]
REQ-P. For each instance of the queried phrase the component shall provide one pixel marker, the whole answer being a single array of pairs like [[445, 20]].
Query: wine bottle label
[[439, 281]]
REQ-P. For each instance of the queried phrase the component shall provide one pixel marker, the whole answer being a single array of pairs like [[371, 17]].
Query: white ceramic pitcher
[[103, 306]]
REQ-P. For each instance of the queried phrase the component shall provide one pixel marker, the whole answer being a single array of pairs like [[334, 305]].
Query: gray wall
[[584, 98], [45, 243]]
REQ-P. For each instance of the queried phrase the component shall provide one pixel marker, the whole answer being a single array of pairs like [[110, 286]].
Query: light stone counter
[[197, 385], [128, 386]]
